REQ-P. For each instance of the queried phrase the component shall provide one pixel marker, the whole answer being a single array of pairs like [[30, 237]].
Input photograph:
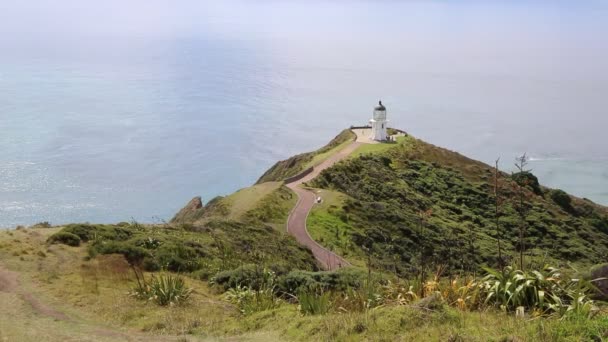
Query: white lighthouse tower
[[378, 123]]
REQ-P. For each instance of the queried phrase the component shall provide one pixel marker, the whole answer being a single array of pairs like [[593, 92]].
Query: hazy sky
[[500, 34]]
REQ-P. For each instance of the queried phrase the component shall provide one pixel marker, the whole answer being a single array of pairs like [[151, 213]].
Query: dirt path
[[10, 284], [296, 223]]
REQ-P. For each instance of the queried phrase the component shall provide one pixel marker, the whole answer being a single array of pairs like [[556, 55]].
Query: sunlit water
[[126, 110]]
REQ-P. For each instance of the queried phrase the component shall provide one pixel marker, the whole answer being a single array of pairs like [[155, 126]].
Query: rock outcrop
[[190, 212]]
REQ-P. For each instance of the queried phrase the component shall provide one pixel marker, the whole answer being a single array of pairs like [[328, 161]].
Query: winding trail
[[296, 222]]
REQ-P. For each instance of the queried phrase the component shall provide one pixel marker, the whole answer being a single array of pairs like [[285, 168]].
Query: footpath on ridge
[[296, 223]]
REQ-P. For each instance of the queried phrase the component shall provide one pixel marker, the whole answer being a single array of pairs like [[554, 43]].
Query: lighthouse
[[378, 123]]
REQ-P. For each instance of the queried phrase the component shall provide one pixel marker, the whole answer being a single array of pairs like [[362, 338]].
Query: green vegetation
[[423, 226], [165, 289], [250, 301], [267, 203], [66, 238], [314, 302], [44, 224], [328, 225], [244, 200], [545, 291], [296, 164], [415, 207], [341, 280], [380, 147], [341, 306], [562, 199], [272, 209], [206, 250]]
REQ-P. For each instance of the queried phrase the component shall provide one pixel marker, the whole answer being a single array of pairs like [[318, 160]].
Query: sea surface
[[124, 110]]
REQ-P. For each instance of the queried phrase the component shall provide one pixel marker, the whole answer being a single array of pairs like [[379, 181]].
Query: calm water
[[123, 110]]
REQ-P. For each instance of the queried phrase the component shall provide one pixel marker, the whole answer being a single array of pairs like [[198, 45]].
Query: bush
[[203, 274], [368, 296], [250, 276], [65, 238], [225, 247], [260, 296], [546, 291], [340, 280], [178, 257], [134, 255], [249, 300], [164, 289], [527, 179], [87, 232], [562, 199], [314, 302]]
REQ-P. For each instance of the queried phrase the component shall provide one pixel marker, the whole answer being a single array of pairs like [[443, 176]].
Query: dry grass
[[93, 294]]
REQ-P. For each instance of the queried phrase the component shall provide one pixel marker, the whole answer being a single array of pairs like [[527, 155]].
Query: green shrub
[[340, 280], [88, 232], [546, 291], [178, 257], [150, 264], [600, 223], [384, 205], [134, 255], [223, 246], [65, 238], [529, 180], [369, 295], [562, 199], [314, 302], [249, 300], [163, 289], [259, 296], [148, 243], [203, 274], [85, 231], [250, 276], [44, 224]]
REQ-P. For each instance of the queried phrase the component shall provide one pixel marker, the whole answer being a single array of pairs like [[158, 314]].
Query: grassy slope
[[296, 164], [246, 199], [377, 148], [267, 203], [389, 186], [202, 249], [93, 292], [93, 295], [327, 224]]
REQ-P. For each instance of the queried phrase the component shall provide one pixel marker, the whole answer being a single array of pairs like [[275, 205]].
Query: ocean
[[119, 111]]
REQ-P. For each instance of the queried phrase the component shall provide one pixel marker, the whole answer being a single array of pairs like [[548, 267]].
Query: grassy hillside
[[268, 203], [416, 221], [93, 299], [414, 201], [296, 164], [201, 250]]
